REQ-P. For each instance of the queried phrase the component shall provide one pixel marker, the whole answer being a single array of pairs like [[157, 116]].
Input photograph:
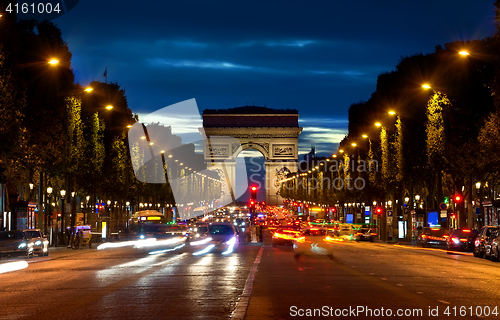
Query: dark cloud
[[316, 56]]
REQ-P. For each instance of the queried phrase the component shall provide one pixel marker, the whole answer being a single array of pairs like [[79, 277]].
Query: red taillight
[[464, 240], [424, 236], [359, 233], [466, 230], [374, 234]]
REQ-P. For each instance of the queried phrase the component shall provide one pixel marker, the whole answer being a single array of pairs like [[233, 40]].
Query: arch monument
[[272, 132]]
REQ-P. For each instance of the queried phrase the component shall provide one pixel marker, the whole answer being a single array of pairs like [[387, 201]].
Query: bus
[[153, 224]]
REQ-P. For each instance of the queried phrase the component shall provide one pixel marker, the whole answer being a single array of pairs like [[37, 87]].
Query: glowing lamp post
[[63, 198]]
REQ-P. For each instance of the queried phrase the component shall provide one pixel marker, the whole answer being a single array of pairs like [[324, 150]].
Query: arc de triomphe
[[272, 132]]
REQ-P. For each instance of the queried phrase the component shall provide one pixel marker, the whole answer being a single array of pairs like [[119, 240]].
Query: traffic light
[[253, 193], [378, 211], [446, 200], [458, 198], [263, 203]]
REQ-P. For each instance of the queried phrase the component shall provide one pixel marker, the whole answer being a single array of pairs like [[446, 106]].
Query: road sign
[[478, 211], [443, 206], [389, 213], [477, 202], [444, 213]]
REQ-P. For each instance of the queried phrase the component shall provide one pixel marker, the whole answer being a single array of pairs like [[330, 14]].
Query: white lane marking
[[242, 305], [383, 278], [399, 284], [445, 302], [372, 274], [419, 292]]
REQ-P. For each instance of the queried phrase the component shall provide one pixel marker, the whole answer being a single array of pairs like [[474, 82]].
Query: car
[[221, 237], [488, 243], [16, 243], [318, 243], [494, 249], [40, 242], [285, 236], [461, 240], [433, 237], [484, 233], [365, 234]]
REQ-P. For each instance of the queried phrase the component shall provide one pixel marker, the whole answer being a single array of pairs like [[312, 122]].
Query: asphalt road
[[125, 283]]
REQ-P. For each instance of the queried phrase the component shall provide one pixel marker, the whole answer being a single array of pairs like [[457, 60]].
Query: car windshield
[[202, 229], [465, 233], [33, 234], [220, 229], [489, 231], [436, 232]]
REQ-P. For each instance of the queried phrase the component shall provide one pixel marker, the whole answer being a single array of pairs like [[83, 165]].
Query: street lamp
[[47, 210], [86, 209], [63, 198]]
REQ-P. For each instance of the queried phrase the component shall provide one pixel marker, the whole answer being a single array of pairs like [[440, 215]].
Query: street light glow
[[341, 151], [464, 53], [426, 86], [353, 144], [53, 62], [391, 112], [378, 124], [365, 136], [88, 89], [109, 107]]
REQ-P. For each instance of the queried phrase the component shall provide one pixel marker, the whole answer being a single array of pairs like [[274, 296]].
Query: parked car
[[484, 233], [461, 240], [488, 243], [433, 237], [495, 254]]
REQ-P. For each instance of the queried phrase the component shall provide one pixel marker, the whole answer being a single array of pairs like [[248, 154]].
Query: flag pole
[[106, 74]]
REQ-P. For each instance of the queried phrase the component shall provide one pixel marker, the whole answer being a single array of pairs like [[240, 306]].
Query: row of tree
[[55, 133], [438, 141]]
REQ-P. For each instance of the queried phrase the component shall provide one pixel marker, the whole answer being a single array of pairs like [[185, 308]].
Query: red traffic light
[[254, 188], [252, 203], [378, 210], [263, 203], [458, 198]]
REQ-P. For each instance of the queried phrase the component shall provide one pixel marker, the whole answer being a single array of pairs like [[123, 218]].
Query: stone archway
[[272, 132]]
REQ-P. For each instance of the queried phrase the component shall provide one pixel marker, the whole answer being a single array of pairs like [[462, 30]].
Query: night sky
[[318, 57]]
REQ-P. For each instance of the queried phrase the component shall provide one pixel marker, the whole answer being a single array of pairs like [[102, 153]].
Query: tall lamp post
[[84, 214], [128, 212], [47, 209], [63, 197], [32, 222]]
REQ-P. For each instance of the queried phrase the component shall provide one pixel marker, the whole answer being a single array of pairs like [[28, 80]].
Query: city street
[[128, 284]]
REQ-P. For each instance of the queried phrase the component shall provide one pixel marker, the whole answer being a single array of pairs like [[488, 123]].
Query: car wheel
[[475, 253], [481, 253]]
